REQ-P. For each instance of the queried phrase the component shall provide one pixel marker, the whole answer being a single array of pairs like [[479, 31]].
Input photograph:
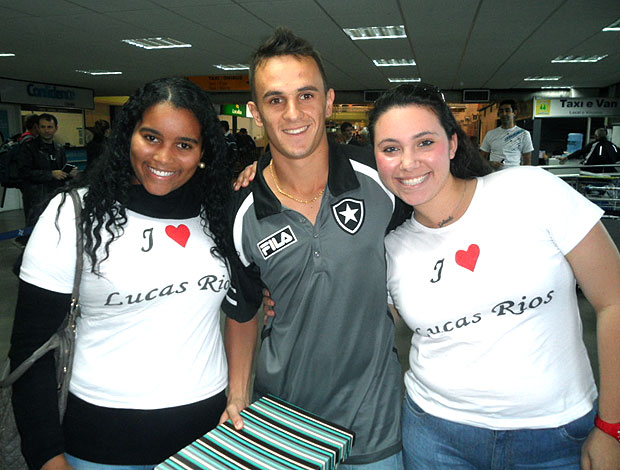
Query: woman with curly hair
[[150, 369]]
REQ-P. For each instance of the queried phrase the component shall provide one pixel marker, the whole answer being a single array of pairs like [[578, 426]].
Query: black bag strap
[[9, 378], [74, 312]]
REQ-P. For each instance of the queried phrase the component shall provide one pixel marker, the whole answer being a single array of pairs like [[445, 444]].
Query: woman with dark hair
[[484, 274], [150, 370]]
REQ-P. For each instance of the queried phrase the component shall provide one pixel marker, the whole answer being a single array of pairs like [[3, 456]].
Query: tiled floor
[[8, 289]]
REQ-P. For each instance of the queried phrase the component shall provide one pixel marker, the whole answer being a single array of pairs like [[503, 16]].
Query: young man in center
[[310, 228]]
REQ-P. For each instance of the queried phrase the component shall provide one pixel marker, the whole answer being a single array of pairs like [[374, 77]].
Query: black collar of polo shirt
[[341, 179]]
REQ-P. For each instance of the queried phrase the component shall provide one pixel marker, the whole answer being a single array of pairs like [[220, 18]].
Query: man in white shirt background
[[507, 145]]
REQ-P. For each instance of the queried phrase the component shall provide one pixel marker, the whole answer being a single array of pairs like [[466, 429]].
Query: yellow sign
[[543, 107], [222, 82]]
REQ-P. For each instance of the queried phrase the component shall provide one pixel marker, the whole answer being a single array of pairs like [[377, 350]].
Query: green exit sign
[[233, 110]]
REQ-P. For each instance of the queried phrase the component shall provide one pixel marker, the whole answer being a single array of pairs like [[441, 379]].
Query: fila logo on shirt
[[276, 242], [349, 214]]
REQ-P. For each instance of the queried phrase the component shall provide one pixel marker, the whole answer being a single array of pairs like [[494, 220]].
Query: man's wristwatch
[[613, 429]]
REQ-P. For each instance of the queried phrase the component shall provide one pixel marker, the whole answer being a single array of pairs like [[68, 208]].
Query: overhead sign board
[[45, 94], [233, 110], [222, 82], [576, 107]]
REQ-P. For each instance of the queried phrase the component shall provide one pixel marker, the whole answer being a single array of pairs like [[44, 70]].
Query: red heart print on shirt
[[469, 258], [179, 234]]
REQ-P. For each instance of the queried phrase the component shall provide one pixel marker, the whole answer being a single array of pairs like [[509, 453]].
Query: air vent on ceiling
[[476, 96], [371, 96]]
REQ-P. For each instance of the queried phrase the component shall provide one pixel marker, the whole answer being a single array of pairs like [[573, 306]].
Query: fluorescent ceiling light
[[393, 62], [539, 79], [7, 54], [404, 80], [578, 59], [615, 26], [99, 72], [376, 32], [233, 66], [156, 43], [556, 87]]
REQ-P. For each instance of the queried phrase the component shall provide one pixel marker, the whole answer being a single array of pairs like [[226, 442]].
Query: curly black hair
[[467, 163], [109, 182]]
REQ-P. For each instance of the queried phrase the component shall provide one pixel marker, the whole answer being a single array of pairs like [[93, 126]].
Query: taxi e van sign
[[576, 107]]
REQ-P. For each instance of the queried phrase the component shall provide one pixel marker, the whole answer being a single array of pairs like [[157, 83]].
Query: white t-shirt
[[507, 145], [149, 334], [492, 302]]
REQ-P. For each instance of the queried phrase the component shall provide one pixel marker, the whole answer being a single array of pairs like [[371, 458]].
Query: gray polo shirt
[[330, 347]]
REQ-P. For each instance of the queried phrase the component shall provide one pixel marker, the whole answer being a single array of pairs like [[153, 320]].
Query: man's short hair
[[225, 125], [284, 42], [243, 130], [512, 103], [344, 126], [48, 117], [32, 121], [600, 132]]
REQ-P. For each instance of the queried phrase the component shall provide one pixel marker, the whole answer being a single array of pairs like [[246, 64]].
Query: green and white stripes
[[276, 435]]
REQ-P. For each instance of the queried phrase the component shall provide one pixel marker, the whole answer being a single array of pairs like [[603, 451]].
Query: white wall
[[615, 135]]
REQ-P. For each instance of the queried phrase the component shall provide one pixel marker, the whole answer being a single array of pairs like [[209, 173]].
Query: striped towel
[[276, 436]]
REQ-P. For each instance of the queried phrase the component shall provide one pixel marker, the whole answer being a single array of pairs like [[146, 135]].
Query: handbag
[[62, 342]]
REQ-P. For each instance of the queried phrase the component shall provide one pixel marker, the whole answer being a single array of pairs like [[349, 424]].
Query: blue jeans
[[393, 462], [431, 443], [79, 464]]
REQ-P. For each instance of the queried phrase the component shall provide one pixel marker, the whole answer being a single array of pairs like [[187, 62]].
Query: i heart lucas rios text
[[468, 259]]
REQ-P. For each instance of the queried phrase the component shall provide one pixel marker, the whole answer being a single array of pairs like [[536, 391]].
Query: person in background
[[507, 145], [498, 372], [348, 132], [311, 228], [32, 129], [231, 142], [42, 168], [246, 148], [334, 138], [149, 373], [598, 152], [95, 147], [244, 139]]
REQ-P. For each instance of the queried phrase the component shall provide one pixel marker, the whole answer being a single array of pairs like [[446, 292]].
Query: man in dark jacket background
[[598, 152], [41, 164]]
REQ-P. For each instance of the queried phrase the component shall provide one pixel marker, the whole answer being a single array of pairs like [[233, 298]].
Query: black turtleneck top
[[182, 203]]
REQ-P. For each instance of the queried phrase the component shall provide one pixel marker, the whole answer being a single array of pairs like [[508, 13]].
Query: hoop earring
[[202, 165]]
